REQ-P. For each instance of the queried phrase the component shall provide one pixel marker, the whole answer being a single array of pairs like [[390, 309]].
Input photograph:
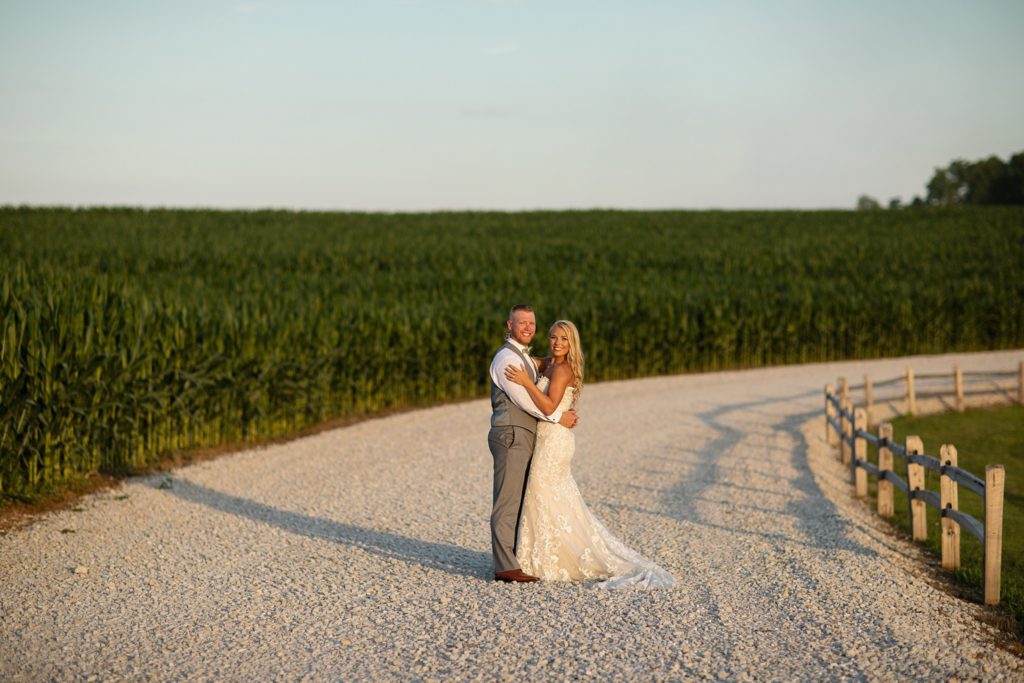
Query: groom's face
[[522, 326]]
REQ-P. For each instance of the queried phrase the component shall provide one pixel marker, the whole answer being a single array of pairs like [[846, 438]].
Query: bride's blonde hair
[[575, 356]]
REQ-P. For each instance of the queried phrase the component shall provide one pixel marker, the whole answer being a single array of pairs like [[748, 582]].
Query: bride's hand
[[517, 374]]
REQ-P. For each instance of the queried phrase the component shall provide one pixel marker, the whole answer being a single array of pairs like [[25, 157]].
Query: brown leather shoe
[[514, 576]]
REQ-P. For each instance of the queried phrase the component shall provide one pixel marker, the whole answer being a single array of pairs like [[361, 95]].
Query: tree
[[895, 203], [1015, 171], [986, 181], [866, 203], [948, 186]]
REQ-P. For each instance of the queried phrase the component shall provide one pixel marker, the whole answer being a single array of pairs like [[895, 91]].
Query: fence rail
[[848, 427], [957, 385]]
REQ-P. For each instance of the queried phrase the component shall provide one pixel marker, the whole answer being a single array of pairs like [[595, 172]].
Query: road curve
[[362, 553]]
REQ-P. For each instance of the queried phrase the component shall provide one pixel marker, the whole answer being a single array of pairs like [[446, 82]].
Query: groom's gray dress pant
[[512, 448]]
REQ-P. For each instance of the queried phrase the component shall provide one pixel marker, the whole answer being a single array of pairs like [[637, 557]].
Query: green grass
[[981, 437], [126, 334]]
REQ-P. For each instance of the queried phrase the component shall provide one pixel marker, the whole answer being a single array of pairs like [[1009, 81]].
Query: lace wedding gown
[[559, 539]]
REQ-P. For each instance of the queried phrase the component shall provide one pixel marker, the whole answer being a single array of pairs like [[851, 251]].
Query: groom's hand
[[569, 419]]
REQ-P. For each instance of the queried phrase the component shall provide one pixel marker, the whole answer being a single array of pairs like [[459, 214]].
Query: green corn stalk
[[128, 333]]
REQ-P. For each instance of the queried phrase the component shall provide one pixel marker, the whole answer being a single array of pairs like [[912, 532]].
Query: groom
[[513, 426]]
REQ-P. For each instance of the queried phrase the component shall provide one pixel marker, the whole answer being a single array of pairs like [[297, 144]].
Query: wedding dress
[[559, 538]]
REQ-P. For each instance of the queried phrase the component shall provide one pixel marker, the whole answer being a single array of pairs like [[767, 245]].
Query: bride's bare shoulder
[[561, 371]]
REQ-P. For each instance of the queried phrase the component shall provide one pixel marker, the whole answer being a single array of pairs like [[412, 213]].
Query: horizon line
[[293, 209]]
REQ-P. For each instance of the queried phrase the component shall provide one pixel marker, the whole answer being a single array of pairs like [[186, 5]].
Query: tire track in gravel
[[363, 554]]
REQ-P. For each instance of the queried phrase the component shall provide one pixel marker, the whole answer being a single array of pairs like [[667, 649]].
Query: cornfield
[[127, 333]]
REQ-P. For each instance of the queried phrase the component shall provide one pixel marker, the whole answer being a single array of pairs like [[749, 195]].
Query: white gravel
[[362, 553]]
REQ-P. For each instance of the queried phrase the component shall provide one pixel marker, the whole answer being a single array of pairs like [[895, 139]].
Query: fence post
[[844, 442], [958, 380], [844, 390], [915, 481], [911, 397], [842, 430], [995, 478], [885, 506], [869, 401], [949, 498], [1020, 383], [830, 412], [860, 452]]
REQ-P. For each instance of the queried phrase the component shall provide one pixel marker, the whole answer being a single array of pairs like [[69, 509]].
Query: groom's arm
[[517, 392]]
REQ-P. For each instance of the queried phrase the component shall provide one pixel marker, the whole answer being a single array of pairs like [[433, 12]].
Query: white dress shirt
[[517, 392]]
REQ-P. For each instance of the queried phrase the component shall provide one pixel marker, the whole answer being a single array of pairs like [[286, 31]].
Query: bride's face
[[559, 340]]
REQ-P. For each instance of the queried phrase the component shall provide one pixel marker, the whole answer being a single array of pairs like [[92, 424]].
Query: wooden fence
[[848, 427], [937, 385]]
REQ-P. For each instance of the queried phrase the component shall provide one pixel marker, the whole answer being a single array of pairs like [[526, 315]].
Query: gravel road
[[363, 553]]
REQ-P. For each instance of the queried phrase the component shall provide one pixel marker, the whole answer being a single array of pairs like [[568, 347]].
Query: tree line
[[990, 181]]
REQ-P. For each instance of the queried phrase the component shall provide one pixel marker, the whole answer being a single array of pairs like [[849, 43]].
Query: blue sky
[[406, 105]]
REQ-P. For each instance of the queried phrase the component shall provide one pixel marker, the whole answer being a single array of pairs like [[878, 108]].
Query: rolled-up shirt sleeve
[[516, 392]]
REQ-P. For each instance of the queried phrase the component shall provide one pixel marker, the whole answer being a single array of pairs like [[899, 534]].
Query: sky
[[405, 105]]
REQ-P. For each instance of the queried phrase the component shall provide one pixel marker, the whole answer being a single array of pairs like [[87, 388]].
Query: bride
[[559, 539]]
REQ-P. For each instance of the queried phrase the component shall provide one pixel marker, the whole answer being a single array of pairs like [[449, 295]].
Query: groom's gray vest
[[505, 413]]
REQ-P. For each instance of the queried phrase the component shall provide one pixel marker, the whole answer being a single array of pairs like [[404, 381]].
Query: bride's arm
[[548, 402], [515, 373]]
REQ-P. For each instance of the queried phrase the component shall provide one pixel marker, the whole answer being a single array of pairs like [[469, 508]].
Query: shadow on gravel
[[447, 558], [816, 517], [820, 525]]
